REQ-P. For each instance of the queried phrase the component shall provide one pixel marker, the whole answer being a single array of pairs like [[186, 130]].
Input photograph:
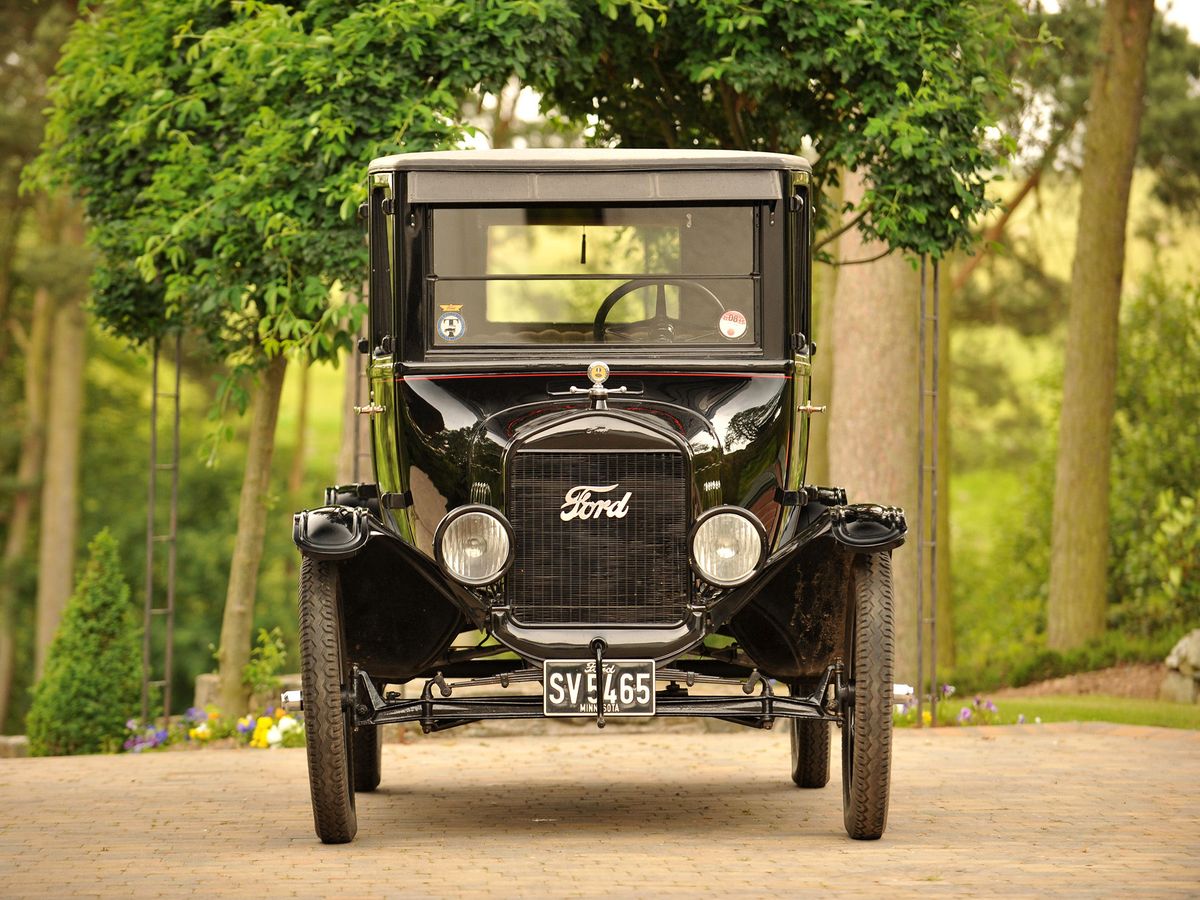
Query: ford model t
[[589, 402]]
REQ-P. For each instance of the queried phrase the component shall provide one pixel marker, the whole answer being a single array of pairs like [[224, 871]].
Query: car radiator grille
[[599, 570]]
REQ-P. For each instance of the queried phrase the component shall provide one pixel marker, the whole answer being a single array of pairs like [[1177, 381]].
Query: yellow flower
[[261, 727], [927, 717], [280, 713]]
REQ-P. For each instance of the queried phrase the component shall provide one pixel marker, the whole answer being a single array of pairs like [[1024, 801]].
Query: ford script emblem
[[580, 503]]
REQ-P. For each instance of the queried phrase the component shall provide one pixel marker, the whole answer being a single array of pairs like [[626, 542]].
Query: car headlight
[[727, 545], [474, 544]]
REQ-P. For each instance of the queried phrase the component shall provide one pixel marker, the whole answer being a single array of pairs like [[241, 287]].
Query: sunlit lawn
[[1099, 708], [1070, 708]]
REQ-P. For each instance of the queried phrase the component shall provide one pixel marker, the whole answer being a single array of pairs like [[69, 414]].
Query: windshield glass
[[588, 274]]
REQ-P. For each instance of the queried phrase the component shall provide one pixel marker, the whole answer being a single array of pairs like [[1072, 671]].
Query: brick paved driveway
[[1048, 810]]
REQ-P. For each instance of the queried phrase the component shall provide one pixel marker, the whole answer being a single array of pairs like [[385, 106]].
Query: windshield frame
[[432, 351]]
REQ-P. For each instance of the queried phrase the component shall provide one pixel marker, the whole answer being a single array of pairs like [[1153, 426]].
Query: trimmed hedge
[[92, 682]]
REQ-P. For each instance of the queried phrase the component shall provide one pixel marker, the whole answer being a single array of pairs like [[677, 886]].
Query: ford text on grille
[[580, 505]]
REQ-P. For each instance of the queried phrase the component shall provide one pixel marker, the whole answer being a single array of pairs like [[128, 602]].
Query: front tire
[[867, 729], [327, 727]]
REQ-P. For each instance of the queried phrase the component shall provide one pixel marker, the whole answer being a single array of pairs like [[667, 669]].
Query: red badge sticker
[[733, 325]]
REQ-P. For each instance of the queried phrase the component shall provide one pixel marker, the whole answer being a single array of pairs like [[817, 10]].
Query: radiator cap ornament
[[598, 372]]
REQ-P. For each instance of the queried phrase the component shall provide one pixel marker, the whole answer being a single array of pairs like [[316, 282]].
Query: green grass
[[1059, 708], [1099, 708]]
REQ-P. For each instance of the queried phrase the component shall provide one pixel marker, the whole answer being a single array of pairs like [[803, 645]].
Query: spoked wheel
[[810, 753], [368, 748], [867, 730], [325, 678]]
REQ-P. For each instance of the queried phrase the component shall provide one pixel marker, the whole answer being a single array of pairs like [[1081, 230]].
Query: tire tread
[[866, 793], [329, 768], [810, 753]]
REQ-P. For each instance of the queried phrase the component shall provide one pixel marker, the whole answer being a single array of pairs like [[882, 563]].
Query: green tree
[[901, 91], [1079, 534], [1154, 574], [219, 150], [92, 680], [43, 275]]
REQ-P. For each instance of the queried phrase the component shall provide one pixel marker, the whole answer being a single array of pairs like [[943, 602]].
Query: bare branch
[[842, 229], [995, 232], [864, 260]]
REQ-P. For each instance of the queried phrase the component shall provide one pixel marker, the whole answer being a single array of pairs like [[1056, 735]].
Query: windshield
[[589, 274]]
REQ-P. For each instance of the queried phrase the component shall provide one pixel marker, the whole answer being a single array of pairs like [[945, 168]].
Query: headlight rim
[[457, 513], [712, 513]]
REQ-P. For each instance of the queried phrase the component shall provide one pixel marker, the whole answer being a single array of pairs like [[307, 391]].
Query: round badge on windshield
[[598, 372]]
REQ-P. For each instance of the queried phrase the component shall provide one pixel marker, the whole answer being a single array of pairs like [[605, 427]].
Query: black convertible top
[[591, 175]]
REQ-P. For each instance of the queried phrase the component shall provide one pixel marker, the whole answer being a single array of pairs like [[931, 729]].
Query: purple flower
[[964, 715], [1021, 719], [947, 690], [990, 706], [978, 699], [196, 715]]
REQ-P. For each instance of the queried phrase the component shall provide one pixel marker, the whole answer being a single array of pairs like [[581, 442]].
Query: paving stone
[[1072, 810]]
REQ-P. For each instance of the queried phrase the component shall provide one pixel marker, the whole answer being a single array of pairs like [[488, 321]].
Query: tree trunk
[[12, 212], [300, 445], [873, 402], [237, 622], [29, 473], [1079, 534], [355, 448], [824, 284], [59, 506]]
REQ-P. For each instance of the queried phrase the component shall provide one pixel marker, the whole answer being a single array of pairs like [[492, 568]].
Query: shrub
[[92, 681], [1156, 466], [267, 660]]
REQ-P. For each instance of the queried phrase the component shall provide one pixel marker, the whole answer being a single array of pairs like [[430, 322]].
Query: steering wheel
[[663, 325]]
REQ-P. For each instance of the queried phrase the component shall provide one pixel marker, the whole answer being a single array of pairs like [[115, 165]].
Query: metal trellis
[[926, 539], [153, 611]]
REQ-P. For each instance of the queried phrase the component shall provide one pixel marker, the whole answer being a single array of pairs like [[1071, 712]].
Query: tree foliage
[[1054, 86], [220, 147], [902, 90], [1155, 568], [92, 681]]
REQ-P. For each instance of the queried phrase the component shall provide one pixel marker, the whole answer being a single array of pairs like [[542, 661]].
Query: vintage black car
[[589, 398]]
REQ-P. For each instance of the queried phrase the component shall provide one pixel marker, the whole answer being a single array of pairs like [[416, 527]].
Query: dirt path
[[1085, 810], [1139, 680]]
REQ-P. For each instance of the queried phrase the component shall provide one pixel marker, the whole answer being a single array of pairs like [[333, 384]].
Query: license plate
[[569, 687]]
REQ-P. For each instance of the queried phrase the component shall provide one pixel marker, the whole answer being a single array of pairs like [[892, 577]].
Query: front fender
[[343, 532], [331, 532], [859, 527], [867, 527]]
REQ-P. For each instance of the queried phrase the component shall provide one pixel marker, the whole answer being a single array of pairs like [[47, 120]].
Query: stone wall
[[1182, 682]]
